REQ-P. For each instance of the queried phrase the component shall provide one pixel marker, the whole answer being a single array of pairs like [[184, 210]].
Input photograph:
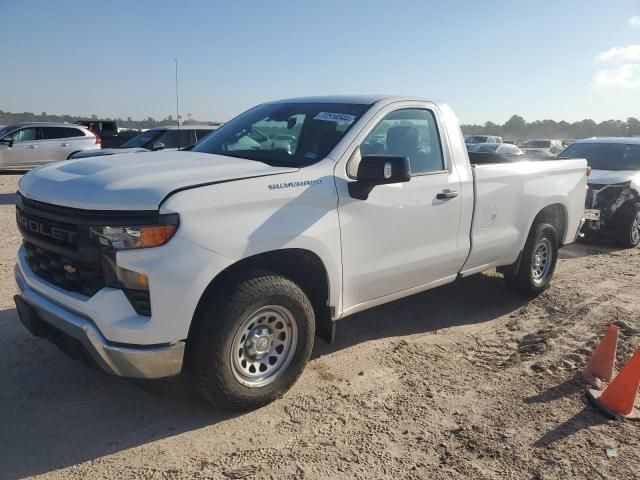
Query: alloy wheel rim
[[541, 261], [635, 230], [263, 346]]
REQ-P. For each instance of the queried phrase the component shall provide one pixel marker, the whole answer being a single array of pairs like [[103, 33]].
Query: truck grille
[[64, 272], [59, 249]]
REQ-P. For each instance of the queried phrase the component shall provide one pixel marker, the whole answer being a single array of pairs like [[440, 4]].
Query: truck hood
[[132, 181], [610, 177], [106, 151]]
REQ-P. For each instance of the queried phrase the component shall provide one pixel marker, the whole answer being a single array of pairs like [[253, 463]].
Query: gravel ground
[[468, 381]]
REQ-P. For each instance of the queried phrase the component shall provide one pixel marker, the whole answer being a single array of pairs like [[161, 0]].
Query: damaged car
[[613, 197]]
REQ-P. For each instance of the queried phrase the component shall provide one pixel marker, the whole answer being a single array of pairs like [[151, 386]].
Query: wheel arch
[[302, 266], [556, 215]]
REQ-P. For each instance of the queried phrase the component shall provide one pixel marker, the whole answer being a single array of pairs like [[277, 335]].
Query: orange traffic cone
[[620, 396], [603, 360]]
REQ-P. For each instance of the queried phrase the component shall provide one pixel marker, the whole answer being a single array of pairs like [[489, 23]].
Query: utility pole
[[177, 103]]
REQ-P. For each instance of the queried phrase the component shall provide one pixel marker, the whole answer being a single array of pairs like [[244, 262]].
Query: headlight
[[139, 236]]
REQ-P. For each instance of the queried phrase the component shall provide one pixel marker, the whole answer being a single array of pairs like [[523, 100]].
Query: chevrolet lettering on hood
[[45, 229]]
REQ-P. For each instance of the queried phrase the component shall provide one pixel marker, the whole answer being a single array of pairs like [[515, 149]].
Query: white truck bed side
[[508, 198]]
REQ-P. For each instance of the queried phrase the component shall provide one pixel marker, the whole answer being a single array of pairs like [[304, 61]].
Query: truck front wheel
[[537, 263], [251, 343], [627, 225]]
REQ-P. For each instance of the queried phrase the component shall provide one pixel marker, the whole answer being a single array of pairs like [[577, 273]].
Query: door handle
[[447, 194], [31, 146], [65, 144]]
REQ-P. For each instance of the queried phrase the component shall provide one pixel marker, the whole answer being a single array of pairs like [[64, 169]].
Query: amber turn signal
[[155, 235]]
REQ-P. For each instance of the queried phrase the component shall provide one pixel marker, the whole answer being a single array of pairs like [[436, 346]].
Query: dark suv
[[160, 138]]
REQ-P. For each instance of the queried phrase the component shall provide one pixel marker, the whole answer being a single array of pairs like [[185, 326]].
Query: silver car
[[26, 145]]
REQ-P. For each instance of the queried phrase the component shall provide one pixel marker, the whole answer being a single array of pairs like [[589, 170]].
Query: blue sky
[[565, 59]]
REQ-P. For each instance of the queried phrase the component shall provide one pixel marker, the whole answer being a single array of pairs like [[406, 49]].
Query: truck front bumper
[[78, 336]]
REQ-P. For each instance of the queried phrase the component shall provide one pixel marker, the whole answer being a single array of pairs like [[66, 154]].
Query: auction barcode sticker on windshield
[[335, 117]]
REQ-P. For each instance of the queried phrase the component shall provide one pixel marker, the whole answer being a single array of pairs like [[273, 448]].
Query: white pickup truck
[[226, 261]]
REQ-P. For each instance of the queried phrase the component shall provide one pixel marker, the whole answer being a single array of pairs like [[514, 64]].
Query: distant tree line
[[517, 128], [7, 118], [513, 129]]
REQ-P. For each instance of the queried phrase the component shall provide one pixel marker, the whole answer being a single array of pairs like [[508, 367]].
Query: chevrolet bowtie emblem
[[69, 269]]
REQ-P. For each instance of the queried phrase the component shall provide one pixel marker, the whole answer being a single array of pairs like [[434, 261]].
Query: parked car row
[[27, 145], [476, 139], [543, 147], [154, 139], [497, 148], [612, 206], [539, 147]]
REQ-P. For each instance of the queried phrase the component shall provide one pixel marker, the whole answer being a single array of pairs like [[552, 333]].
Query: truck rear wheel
[[537, 263], [251, 343], [626, 228]]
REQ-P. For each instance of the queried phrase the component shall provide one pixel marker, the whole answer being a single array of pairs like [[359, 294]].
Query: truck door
[[404, 235]]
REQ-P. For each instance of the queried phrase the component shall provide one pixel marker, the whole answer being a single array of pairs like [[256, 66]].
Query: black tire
[[626, 226], [526, 280], [215, 331]]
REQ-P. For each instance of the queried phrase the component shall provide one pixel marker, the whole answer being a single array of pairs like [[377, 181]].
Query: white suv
[[543, 147], [26, 145]]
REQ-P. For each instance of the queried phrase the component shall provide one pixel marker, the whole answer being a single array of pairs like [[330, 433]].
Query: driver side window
[[25, 135], [409, 133]]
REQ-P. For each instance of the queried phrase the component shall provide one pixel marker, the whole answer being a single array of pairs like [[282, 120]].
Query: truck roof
[[625, 140], [356, 99]]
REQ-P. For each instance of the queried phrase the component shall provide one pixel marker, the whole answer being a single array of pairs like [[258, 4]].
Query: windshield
[[291, 134], [606, 156], [141, 139], [7, 129], [538, 144], [476, 139]]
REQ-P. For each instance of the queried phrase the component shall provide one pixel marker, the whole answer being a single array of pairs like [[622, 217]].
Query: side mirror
[[378, 170], [8, 140], [157, 146]]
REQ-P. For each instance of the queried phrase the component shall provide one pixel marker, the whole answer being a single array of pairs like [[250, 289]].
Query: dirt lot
[[468, 381]]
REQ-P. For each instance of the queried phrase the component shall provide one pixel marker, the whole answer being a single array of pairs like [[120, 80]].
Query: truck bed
[[507, 194], [483, 158]]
